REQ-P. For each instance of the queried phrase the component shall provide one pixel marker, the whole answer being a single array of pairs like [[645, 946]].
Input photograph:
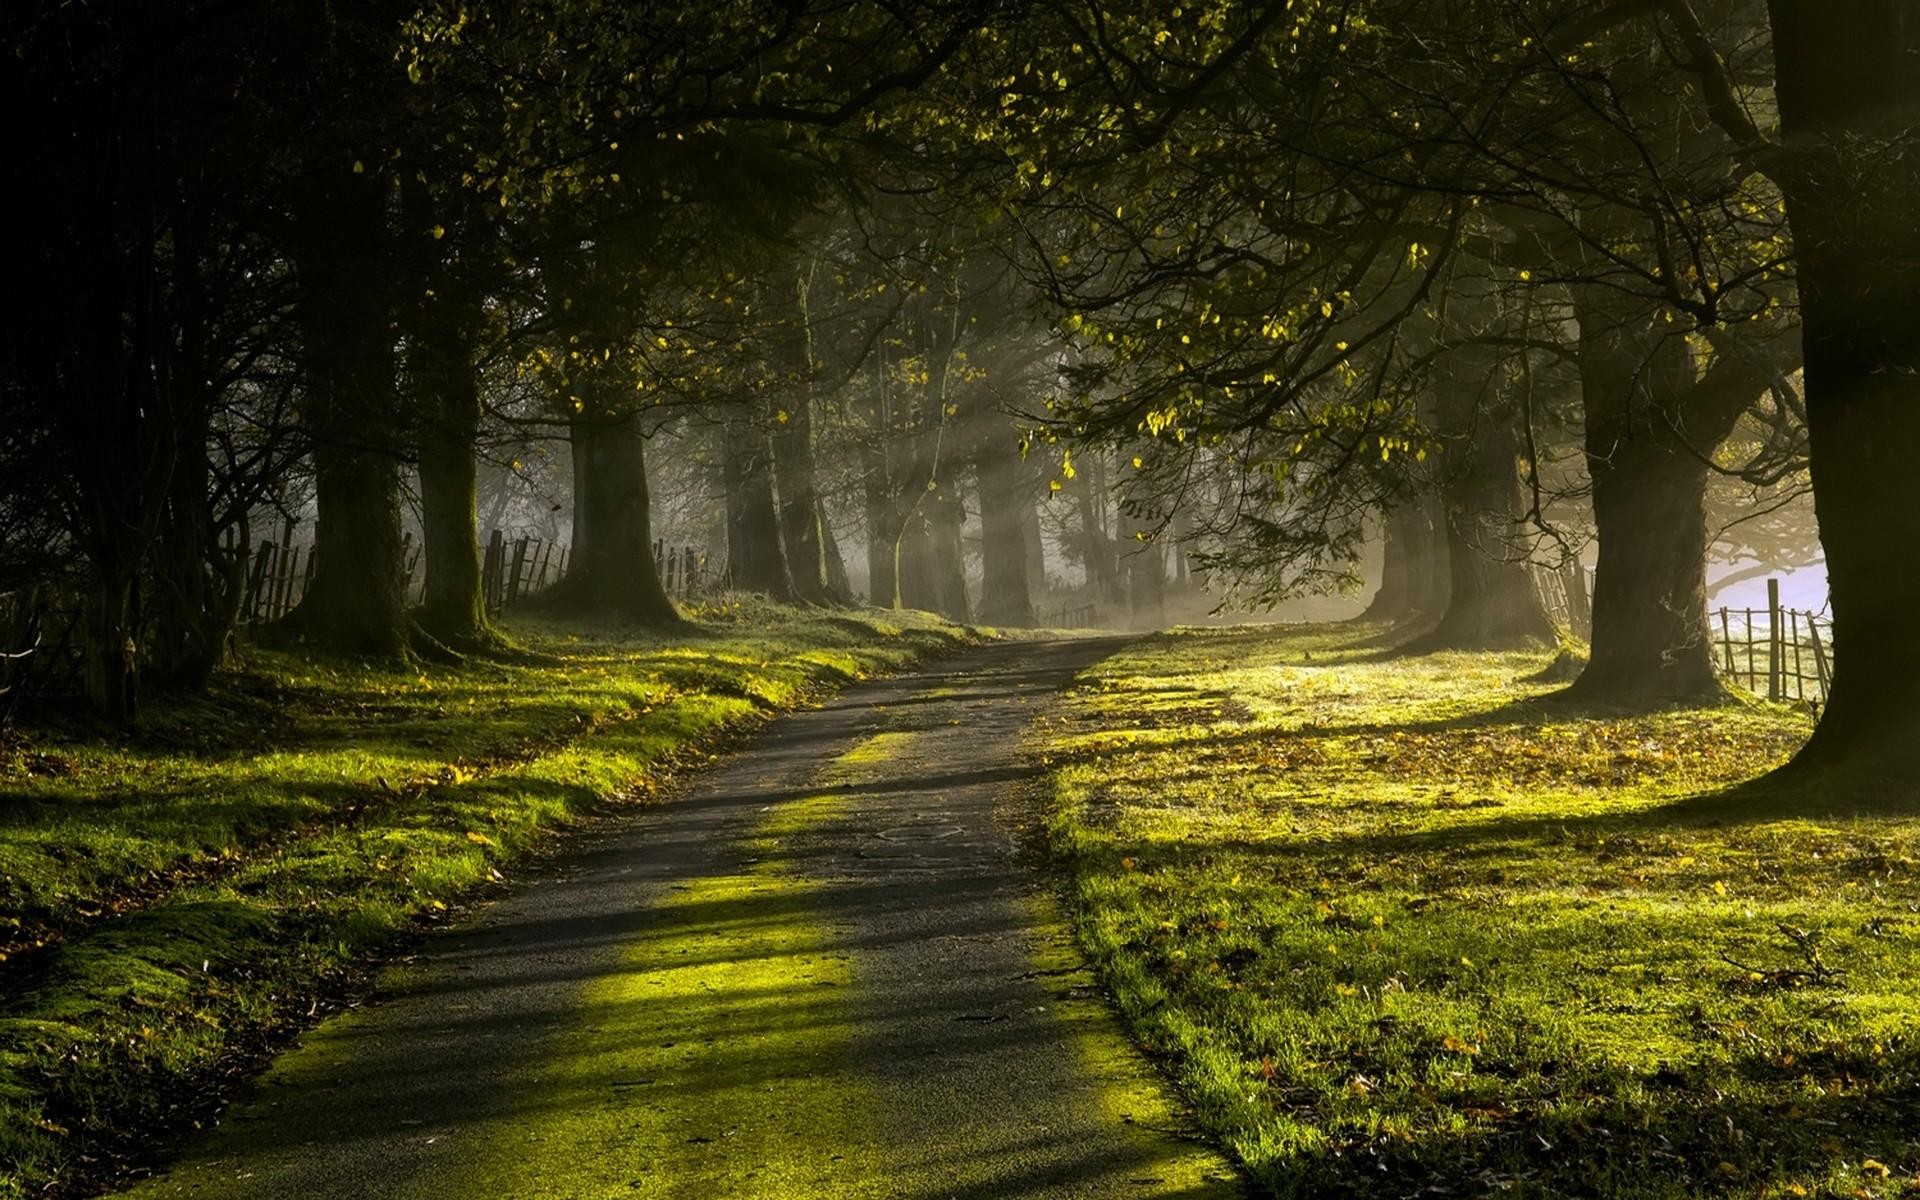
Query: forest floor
[[1411, 926], [823, 968], [177, 902]]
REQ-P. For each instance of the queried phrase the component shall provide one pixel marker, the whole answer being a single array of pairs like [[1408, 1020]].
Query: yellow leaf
[[1454, 1045], [480, 839]]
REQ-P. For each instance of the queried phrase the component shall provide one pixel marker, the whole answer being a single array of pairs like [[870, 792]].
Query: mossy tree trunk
[[453, 607]]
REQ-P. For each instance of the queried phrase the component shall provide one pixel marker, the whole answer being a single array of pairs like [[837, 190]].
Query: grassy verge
[[1405, 926], [179, 900]]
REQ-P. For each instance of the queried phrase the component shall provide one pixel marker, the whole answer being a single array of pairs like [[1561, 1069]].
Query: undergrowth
[[1413, 926]]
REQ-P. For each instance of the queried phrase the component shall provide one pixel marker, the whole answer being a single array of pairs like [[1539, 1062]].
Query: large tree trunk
[[611, 572], [453, 608], [1006, 508], [756, 554], [355, 603], [1849, 103], [1647, 429], [1492, 603], [197, 583], [1413, 564], [1650, 635]]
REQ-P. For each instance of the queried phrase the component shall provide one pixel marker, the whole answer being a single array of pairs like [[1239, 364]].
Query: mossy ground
[[176, 899], [1409, 925]]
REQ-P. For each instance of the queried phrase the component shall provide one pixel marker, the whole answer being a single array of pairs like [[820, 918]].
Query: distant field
[[1404, 926]]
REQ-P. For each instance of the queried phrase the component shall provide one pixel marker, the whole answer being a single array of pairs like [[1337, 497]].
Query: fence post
[[513, 580], [283, 584], [1726, 639], [1820, 658], [546, 560], [490, 571], [1573, 580], [1775, 663], [1753, 672], [257, 580], [1800, 671]]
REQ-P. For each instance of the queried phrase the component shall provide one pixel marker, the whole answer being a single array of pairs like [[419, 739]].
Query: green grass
[[176, 901], [1401, 924]]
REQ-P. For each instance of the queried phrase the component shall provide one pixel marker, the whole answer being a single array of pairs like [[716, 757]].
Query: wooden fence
[[1568, 595], [1069, 616], [514, 570], [1782, 653], [683, 571], [276, 579]]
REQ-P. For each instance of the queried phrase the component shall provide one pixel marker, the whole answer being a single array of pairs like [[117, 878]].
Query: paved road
[[822, 971]]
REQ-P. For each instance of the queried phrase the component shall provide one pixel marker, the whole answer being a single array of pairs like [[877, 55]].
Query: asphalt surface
[[822, 970]]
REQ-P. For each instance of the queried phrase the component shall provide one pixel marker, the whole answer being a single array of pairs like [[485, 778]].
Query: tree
[[1850, 167]]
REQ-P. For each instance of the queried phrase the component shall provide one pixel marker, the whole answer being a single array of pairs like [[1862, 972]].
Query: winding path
[[820, 971]]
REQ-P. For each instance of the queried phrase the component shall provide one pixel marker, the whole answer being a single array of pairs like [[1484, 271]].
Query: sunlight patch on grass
[[1408, 921]]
